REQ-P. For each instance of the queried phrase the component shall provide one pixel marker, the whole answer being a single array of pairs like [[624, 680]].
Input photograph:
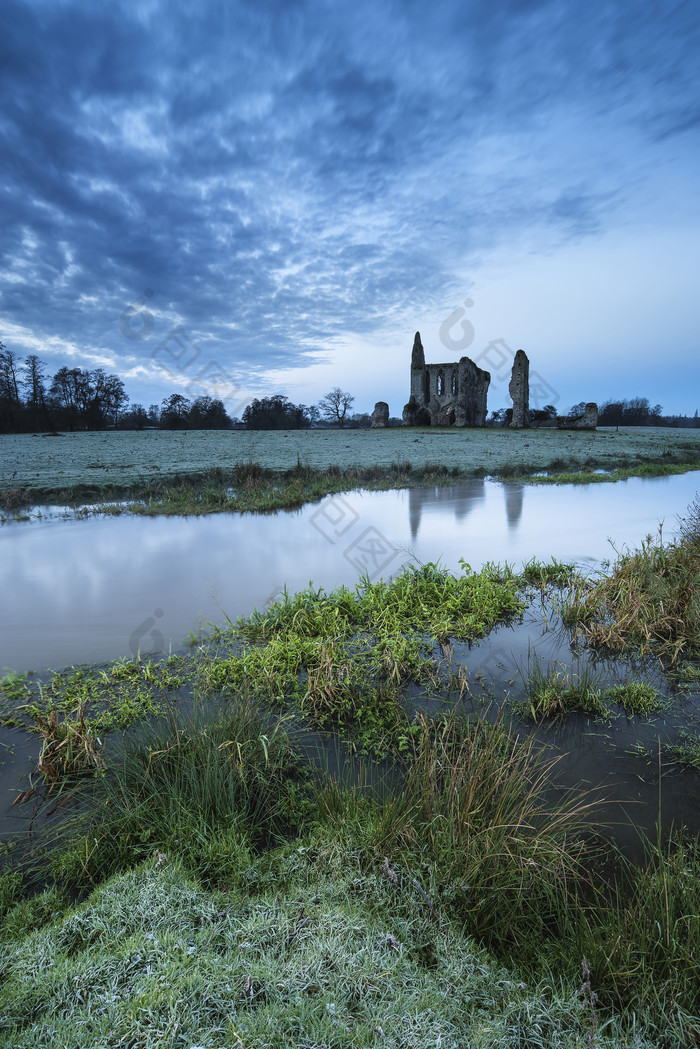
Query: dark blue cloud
[[284, 174]]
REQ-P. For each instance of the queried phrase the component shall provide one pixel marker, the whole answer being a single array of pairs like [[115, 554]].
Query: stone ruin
[[587, 421], [455, 394], [380, 415], [452, 394], [519, 390]]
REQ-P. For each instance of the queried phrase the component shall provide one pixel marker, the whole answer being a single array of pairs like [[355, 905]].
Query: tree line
[[279, 413], [637, 411], [90, 399], [84, 399]]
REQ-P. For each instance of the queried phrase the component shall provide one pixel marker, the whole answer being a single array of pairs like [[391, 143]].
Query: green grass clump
[[550, 573], [334, 684], [345, 658], [116, 696], [688, 751], [553, 693], [13, 688], [69, 746], [636, 697], [211, 784], [425, 599], [650, 601]]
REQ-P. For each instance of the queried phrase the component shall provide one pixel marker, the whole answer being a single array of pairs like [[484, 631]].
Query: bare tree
[[335, 406], [10, 401], [34, 383]]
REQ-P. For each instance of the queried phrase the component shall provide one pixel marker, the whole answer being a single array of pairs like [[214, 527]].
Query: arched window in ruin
[[426, 398], [455, 384], [440, 383]]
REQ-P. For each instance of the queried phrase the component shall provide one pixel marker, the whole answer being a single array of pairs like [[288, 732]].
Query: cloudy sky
[[244, 198]]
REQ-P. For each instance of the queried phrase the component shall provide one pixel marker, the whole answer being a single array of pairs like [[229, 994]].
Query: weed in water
[[13, 686], [69, 746], [650, 601], [553, 572], [552, 693], [636, 697], [687, 752]]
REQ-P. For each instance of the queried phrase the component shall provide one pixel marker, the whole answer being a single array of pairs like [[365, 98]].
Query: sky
[[247, 198]]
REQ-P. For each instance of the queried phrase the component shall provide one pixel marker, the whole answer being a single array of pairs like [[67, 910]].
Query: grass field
[[104, 459]]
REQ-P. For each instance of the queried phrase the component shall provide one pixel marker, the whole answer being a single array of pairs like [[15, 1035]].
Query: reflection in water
[[459, 501], [97, 589], [514, 493]]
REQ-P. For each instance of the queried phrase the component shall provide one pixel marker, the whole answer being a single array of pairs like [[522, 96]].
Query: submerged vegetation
[[551, 693], [343, 659]]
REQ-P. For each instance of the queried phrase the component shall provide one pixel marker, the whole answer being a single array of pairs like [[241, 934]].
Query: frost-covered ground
[[43, 461], [315, 959]]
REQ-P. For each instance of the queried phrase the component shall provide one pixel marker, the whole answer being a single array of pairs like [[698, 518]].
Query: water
[[89, 590]]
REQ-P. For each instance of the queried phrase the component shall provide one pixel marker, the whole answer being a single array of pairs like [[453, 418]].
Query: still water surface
[[88, 590]]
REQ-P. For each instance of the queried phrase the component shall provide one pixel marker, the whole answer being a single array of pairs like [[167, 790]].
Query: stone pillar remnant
[[380, 415], [519, 390]]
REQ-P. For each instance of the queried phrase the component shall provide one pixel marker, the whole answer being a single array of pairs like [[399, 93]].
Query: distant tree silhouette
[[10, 401], [86, 400], [335, 405], [174, 412], [34, 384], [635, 412], [208, 413], [359, 421], [276, 413], [136, 418]]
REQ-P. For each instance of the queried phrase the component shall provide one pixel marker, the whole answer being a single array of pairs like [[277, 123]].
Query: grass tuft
[[688, 751], [636, 697], [650, 601], [210, 784], [69, 745], [554, 692]]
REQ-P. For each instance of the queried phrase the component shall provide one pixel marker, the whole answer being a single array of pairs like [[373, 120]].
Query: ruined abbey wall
[[449, 394]]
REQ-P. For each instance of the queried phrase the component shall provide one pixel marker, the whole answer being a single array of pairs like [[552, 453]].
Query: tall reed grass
[[210, 784], [473, 820], [649, 601]]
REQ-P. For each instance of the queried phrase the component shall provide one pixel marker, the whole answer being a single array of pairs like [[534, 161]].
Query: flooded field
[[122, 458], [85, 591]]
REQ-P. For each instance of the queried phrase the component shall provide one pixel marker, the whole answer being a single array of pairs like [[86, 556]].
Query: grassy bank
[[248, 487], [201, 472], [648, 602], [245, 898]]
